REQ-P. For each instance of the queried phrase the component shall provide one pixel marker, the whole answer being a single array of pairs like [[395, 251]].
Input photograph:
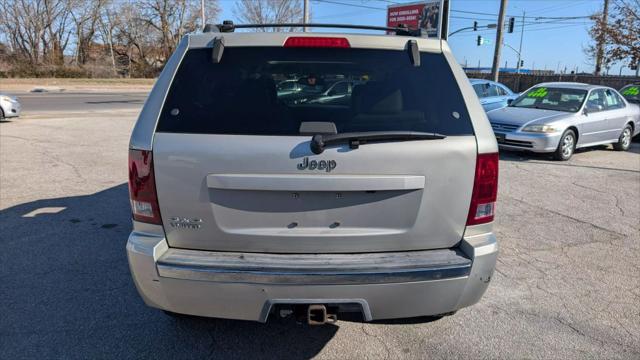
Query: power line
[[387, 1], [347, 4], [453, 11], [556, 27], [556, 7], [468, 33]]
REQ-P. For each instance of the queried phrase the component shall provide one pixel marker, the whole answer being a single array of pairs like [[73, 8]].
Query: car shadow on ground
[[508, 155], [67, 293]]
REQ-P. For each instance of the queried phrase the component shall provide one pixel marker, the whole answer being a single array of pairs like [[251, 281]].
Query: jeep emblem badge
[[326, 165]]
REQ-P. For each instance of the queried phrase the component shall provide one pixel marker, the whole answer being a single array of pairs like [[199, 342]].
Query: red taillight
[[142, 187], [485, 190], [317, 42]]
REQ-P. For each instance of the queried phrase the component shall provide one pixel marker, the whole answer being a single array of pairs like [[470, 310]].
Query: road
[[567, 283], [78, 102]]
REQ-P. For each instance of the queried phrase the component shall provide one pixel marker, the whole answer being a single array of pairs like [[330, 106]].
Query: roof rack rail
[[228, 26]]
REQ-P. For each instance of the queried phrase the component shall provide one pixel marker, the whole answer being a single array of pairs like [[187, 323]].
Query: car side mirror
[[509, 101], [591, 108]]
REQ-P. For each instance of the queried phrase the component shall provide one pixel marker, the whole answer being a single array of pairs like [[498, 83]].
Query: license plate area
[[238, 210]]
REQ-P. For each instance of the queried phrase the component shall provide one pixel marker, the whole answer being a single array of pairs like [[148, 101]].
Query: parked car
[[303, 90], [9, 106], [337, 93], [288, 87], [493, 95], [560, 117], [631, 93], [245, 205]]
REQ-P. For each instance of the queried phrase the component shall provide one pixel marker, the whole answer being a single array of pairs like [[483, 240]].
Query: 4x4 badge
[[326, 165]]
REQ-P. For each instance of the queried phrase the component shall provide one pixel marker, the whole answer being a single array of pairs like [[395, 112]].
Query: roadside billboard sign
[[426, 15]]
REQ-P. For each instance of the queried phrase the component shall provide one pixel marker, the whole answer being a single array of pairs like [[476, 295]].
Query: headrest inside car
[[377, 98], [555, 96]]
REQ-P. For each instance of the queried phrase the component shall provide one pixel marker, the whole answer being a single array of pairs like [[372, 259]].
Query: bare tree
[[38, 30], [269, 12], [624, 32], [68, 34], [108, 21], [172, 19], [56, 23], [619, 36], [86, 17], [599, 51], [22, 24]]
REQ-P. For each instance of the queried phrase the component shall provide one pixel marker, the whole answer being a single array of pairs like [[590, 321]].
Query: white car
[[9, 106]]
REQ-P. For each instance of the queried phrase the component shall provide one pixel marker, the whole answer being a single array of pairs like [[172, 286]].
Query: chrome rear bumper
[[246, 285], [313, 269]]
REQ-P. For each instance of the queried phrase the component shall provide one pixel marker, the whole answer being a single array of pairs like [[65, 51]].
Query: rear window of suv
[[272, 90]]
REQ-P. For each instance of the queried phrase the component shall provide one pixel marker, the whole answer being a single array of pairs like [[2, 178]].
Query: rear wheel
[[624, 141], [566, 147]]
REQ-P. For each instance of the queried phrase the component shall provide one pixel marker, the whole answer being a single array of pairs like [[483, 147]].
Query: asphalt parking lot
[[567, 284]]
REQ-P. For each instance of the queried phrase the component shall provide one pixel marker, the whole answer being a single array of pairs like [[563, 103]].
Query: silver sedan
[[9, 106], [561, 117]]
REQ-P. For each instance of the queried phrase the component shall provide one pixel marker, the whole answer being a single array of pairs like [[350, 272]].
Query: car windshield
[[552, 98], [272, 90], [631, 93]]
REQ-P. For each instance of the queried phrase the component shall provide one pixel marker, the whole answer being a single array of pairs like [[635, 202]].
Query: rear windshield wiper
[[355, 139]]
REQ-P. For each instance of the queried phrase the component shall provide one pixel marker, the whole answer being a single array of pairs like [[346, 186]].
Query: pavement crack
[[384, 344], [570, 326], [575, 183], [618, 205], [569, 217]]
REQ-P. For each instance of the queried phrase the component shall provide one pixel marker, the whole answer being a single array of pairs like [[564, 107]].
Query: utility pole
[[520, 47], [204, 21], [495, 71], [305, 19], [601, 38]]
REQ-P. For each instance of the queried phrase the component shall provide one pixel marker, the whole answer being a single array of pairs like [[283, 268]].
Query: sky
[[550, 44]]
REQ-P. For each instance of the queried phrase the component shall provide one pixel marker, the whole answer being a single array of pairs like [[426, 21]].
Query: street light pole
[[520, 47], [204, 22], [601, 40], [495, 70], [488, 26], [305, 19]]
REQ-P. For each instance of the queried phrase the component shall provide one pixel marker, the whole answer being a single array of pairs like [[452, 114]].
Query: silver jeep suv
[[246, 202]]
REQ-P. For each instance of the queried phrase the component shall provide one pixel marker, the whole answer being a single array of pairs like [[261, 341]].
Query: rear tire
[[624, 141], [566, 146]]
